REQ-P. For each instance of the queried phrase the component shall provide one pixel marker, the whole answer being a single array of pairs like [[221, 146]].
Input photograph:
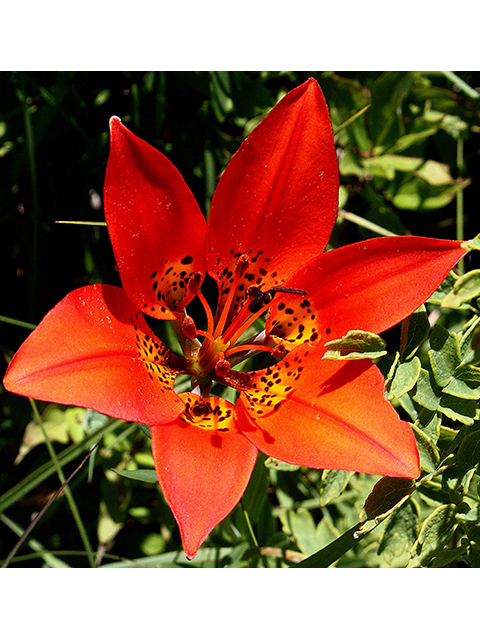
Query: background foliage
[[408, 156]]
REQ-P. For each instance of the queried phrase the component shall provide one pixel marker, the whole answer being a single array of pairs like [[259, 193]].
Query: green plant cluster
[[408, 150]]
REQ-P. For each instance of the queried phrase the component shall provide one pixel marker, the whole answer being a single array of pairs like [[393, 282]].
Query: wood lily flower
[[269, 223]]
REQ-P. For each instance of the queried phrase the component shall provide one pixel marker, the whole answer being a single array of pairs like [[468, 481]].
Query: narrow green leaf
[[31, 481], [256, 492], [332, 552], [356, 345], [142, 475]]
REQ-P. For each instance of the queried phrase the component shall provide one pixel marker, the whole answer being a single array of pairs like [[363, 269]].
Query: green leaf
[[356, 345], [464, 289], [426, 393], [472, 245], [333, 484], [468, 454], [416, 194], [444, 354], [465, 411], [428, 452], [307, 534], [465, 383], [279, 465], [415, 330], [385, 495], [404, 378], [142, 475], [429, 422], [400, 532], [435, 532]]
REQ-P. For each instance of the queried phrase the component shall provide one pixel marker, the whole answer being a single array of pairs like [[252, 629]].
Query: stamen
[[208, 312], [189, 329], [249, 347], [207, 350], [287, 290], [242, 322], [240, 267], [222, 366], [194, 282]]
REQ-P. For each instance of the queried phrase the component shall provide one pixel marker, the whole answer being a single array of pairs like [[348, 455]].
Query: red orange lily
[[269, 223]]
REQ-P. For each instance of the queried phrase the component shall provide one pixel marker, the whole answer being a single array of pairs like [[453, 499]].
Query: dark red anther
[[189, 329], [287, 290], [258, 297], [222, 366]]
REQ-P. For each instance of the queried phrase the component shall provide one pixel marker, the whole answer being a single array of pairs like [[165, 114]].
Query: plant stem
[[68, 493], [459, 202]]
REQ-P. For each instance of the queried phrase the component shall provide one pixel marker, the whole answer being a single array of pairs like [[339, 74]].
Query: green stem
[[466, 88], [459, 203], [18, 323], [253, 538], [68, 493], [352, 217]]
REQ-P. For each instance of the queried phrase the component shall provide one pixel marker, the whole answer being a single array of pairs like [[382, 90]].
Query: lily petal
[[94, 349], [156, 227], [203, 465], [326, 415], [351, 288], [277, 200]]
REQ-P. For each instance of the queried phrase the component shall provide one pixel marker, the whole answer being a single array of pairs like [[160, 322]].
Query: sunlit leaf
[[434, 533], [429, 455], [356, 345], [464, 289]]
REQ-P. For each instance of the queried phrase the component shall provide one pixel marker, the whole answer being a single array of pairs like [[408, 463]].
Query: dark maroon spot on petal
[[187, 260]]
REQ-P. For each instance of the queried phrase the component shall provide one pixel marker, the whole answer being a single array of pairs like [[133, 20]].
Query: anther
[[222, 366], [279, 289], [258, 297], [188, 328]]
